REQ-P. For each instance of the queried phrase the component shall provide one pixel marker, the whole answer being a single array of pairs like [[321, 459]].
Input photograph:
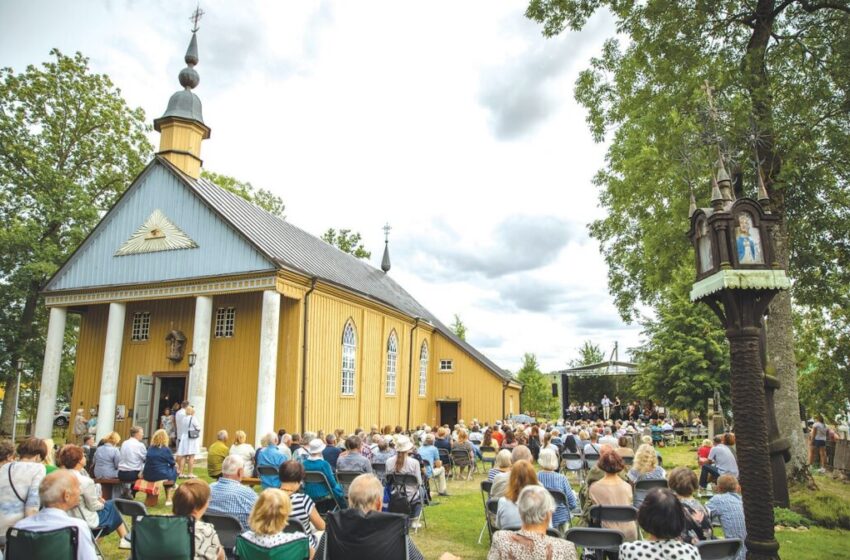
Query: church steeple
[[182, 127], [385, 262]]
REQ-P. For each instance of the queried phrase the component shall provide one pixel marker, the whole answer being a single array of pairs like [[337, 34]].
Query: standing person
[[91, 425], [19, 483], [180, 430], [606, 407], [166, 422], [81, 427], [188, 446], [216, 454], [728, 508], [817, 443], [131, 461]]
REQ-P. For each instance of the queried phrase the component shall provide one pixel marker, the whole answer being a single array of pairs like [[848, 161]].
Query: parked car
[[62, 418]]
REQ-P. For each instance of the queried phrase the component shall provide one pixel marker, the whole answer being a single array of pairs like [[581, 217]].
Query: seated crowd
[[304, 477]]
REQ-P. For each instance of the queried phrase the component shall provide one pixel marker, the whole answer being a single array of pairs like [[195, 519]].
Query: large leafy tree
[[263, 198], [823, 359], [347, 241], [536, 396], [686, 356], [69, 145], [780, 70]]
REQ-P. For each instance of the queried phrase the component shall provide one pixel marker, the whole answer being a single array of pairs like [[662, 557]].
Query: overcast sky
[[453, 121]]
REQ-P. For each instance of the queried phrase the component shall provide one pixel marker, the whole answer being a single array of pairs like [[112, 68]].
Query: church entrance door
[[155, 393], [448, 413]]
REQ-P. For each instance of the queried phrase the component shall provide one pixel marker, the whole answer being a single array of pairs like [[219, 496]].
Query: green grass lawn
[[454, 522]]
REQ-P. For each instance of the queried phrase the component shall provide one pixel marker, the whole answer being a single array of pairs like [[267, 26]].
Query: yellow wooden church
[[186, 291]]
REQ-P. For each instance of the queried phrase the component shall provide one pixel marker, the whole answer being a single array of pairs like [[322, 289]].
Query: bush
[[825, 510], [788, 518]]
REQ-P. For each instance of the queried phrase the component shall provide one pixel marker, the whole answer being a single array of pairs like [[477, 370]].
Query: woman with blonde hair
[[50, 459], [645, 466], [107, 457], [268, 520], [189, 446], [245, 450], [522, 475], [159, 462]]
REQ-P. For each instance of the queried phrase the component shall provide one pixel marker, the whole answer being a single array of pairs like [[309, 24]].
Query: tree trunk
[[26, 330]]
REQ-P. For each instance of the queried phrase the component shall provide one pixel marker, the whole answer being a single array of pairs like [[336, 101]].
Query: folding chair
[[492, 510], [550, 531], [322, 504], [399, 483], [720, 549], [380, 470], [446, 458], [267, 470], [629, 460], [228, 528], [130, 508], [460, 461], [561, 500], [679, 434], [590, 460], [298, 549], [622, 514], [96, 533], [352, 534], [163, 537], [573, 462], [486, 486], [345, 478], [294, 526], [642, 488], [59, 544], [595, 541]]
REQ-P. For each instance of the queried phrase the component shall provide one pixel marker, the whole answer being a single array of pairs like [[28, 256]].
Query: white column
[[267, 375], [50, 373], [111, 366], [201, 348]]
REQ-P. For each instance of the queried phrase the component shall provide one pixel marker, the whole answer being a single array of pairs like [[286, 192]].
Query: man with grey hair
[[608, 438], [59, 493], [217, 453], [131, 461], [535, 506], [365, 499], [268, 455], [228, 495], [500, 482]]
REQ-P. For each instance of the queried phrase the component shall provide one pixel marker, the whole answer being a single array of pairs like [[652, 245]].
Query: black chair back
[[721, 549], [560, 498], [268, 470], [568, 456], [353, 534], [493, 506], [227, 528], [130, 508], [590, 459], [380, 470], [601, 539], [629, 460], [486, 486], [642, 488], [460, 457], [622, 514], [345, 478], [294, 526], [550, 531]]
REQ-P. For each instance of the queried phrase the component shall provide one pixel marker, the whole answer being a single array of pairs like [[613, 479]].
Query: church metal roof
[[294, 249]]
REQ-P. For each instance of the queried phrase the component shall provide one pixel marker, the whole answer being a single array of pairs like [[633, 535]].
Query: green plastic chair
[[163, 537], [295, 550], [60, 544]]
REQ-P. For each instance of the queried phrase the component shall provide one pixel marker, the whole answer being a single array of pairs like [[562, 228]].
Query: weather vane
[[196, 17], [387, 229]]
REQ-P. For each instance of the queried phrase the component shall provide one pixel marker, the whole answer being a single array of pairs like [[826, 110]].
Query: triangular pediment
[[158, 233]]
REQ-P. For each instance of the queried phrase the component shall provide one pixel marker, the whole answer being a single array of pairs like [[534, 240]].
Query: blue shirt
[[159, 465], [557, 481], [269, 456], [729, 509], [331, 454], [106, 460], [316, 490], [230, 497], [430, 454]]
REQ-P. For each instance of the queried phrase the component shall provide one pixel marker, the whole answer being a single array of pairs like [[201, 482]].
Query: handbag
[[150, 488], [194, 432]]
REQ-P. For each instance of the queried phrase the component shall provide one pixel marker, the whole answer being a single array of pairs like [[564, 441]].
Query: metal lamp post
[[737, 277], [17, 397]]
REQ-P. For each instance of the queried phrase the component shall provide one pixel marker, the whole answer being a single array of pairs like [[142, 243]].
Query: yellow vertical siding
[[233, 366], [89, 359], [289, 359]]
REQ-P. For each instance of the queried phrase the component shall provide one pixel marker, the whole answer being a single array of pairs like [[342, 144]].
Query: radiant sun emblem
[[156, 234]]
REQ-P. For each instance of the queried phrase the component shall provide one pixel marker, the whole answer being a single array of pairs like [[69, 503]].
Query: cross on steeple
[[387, 229], [196, 17]]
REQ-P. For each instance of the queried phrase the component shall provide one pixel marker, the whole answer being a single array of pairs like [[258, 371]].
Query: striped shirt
[[302, 506], [729, 509], [557, 481]]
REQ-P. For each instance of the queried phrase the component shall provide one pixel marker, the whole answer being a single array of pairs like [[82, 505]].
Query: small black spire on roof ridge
[[189, 77], [385, 261]]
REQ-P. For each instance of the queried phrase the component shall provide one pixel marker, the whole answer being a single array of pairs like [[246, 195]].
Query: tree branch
[[815, 6]]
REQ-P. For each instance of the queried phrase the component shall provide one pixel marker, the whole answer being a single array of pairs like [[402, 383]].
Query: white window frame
[[392, 364], [225, 322], [141, 331], [423, 369], [447, 365], [349, 358]]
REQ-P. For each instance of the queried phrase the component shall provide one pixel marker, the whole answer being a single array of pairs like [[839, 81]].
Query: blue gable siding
[[220, 251]]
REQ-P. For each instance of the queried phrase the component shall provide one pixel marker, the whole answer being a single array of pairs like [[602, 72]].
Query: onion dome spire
[[385, 261]]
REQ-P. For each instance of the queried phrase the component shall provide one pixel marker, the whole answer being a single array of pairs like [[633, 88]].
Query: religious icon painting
[[748, 240]]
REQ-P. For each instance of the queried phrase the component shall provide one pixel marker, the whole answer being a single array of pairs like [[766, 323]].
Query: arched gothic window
[[392, 360], [349, 354], [423, 369]]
